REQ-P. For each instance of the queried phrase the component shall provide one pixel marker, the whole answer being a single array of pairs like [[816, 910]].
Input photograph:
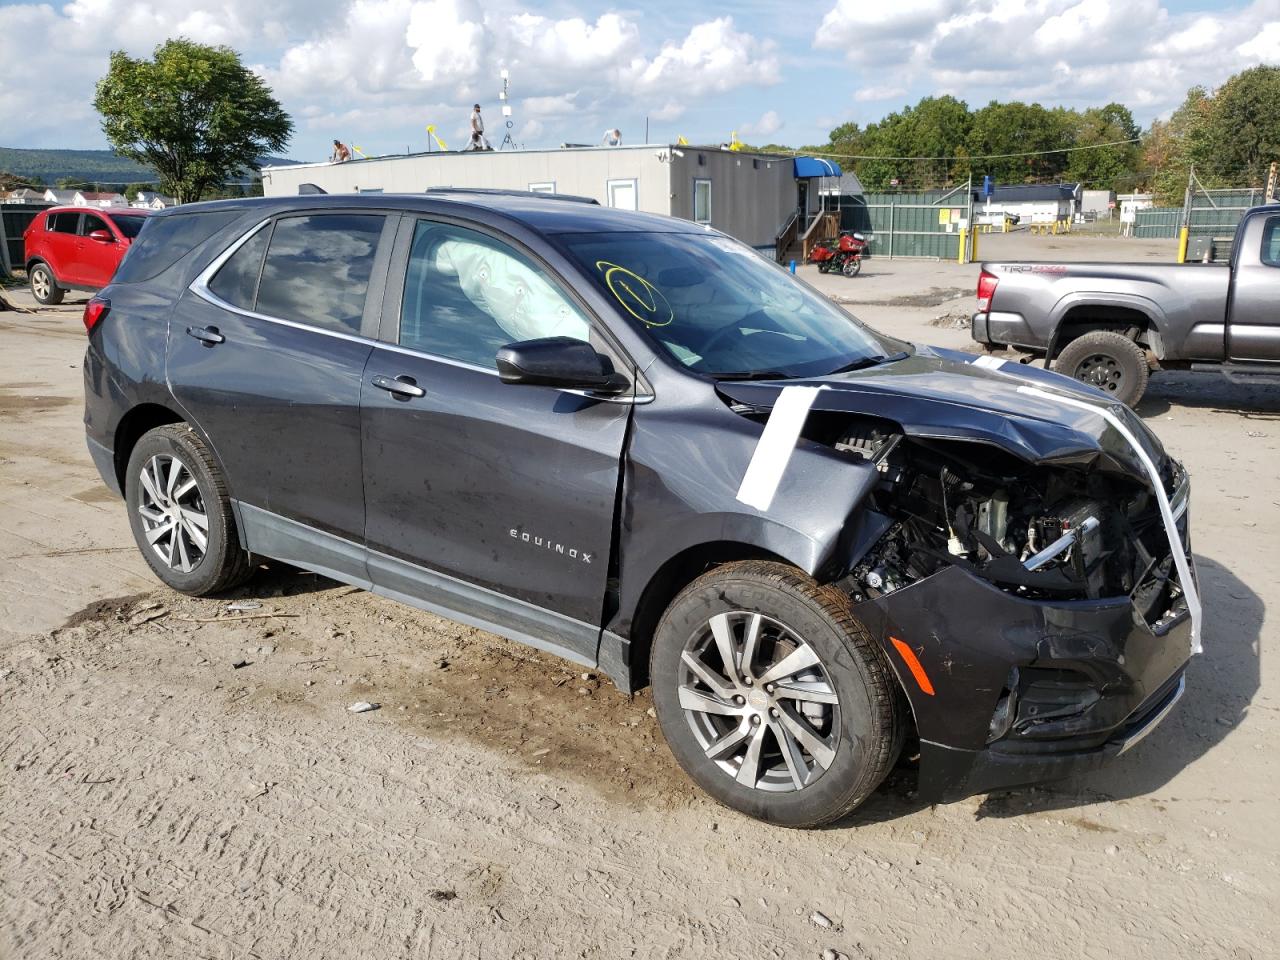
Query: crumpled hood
[[947, 394]]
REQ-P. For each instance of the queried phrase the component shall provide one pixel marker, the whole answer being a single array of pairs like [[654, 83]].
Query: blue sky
[[375, 72]]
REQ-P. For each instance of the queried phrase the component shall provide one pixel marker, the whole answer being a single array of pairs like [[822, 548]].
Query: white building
[[1029, 203], [751, 196]]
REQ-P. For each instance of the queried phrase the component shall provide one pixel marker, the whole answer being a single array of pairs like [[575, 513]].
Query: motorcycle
[[845, 255]]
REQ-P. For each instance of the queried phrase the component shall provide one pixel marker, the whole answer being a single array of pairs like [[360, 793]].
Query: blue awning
[[816, 167]]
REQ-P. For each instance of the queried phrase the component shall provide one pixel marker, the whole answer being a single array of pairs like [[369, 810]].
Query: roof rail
[[308, 189], [492, 192]]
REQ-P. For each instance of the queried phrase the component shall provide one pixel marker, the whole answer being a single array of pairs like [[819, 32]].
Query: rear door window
[[64, 222], [317, 269]]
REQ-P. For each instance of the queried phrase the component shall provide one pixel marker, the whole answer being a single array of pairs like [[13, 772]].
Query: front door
[[95, 260], [1253, 332], [266, 357], [486, 500]]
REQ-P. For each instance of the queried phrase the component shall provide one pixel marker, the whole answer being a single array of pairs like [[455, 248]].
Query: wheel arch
[[1136, 317], [133, 425], [668, 580]]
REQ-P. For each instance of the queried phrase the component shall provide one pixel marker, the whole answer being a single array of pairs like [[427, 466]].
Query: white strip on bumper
[[1166, 510]]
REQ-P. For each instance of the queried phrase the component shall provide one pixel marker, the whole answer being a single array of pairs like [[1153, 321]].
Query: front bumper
[[977, 644]]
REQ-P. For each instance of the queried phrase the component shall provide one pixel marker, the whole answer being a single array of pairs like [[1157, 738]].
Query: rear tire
[[44, 286], [181, 515], [1109, 361], [828, 731]]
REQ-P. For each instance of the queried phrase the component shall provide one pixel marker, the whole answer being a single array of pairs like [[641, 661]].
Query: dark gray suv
[[636, 443]]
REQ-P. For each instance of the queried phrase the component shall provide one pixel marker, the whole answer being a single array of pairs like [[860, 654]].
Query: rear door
[[266, 353], [58, 245], [488, 500], [1254, 329]]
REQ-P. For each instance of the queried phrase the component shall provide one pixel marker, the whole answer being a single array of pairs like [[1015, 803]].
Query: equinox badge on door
[[572, 552]]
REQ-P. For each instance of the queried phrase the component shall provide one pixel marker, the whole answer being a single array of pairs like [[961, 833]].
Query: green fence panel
[[1157, 222], [1215, 213]]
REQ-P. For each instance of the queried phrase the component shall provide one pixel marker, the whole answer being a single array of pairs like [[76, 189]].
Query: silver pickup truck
[[1112, 324]]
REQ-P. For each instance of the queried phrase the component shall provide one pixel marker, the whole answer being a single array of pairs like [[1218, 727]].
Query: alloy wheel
[[760, 702], [174, 519], [40, 283], [1101, 371]]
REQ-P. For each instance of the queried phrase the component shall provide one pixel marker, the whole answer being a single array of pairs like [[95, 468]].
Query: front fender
[[683, 473]]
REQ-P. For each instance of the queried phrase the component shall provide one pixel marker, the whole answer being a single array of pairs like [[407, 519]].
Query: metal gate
[[14, 220], [933, 225]]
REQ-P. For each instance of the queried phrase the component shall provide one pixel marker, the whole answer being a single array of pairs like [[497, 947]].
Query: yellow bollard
[[960, 253], [1183, 236]]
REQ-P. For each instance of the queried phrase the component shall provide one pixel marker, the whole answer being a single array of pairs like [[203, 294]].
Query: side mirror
[[102, 236], [559, 362]]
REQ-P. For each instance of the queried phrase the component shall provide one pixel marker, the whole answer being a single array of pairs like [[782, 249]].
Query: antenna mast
[[505, 97]]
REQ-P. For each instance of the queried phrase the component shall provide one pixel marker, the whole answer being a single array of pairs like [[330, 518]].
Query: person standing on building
[[478, 142], [612, 138], [340, 152]]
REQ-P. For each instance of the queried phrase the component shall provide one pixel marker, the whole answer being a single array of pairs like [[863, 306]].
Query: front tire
[[44, 287], [1109, 361], [772, 697], [181, 515], [851, 267]]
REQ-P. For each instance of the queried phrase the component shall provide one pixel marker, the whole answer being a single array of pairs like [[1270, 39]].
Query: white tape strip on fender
[[773, 451], [1166, 511], [991, 363]]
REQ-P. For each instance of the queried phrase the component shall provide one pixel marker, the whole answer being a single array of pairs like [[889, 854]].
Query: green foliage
[[1230, 136], [13, 181], [194, 113], [73, 183]]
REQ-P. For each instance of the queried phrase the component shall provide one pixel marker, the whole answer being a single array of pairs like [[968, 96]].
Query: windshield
[[721, 309], [129, 224]]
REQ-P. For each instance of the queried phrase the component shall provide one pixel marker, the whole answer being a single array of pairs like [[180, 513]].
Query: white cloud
[[714, 57], [768, 124], [1062, 51], [872, 94]]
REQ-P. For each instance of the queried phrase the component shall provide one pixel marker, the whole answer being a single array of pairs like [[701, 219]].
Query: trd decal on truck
[[573, 553]]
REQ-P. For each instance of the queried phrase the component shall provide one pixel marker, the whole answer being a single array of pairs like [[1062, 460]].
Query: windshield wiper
[[863, 362], [750, 375]]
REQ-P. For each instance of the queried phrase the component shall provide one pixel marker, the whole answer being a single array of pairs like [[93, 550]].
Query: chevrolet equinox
[[634, 442]]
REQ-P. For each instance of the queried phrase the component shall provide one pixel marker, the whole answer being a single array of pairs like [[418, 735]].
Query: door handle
[[209, 336], [401, 386]]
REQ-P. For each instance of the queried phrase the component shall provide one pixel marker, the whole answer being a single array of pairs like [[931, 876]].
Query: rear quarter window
[[163, 241], [129, 226], [1271, 242]]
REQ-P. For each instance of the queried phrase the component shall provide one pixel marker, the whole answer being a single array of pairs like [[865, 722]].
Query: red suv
[[77, 248]]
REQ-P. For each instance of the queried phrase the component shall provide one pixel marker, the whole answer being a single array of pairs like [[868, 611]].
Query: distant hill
[[101, 167]]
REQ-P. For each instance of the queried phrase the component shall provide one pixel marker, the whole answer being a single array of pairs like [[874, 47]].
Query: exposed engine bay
[[1041, 532]]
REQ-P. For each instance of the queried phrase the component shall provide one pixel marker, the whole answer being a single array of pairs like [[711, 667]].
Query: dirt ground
[[180, 780]]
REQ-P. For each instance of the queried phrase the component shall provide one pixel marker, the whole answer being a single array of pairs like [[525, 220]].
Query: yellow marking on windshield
[[646, 304]]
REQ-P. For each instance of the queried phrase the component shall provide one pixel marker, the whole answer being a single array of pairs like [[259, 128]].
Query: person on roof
[[341, 153]]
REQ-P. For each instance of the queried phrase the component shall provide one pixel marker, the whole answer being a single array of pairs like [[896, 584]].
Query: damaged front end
[[1031, 605]]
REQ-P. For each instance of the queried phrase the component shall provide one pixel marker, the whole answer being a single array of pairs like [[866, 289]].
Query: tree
[[1003, 130], [71, 183], [194, 113], [1244, 126], [13, 181], [1112, 167], [131, 190]]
